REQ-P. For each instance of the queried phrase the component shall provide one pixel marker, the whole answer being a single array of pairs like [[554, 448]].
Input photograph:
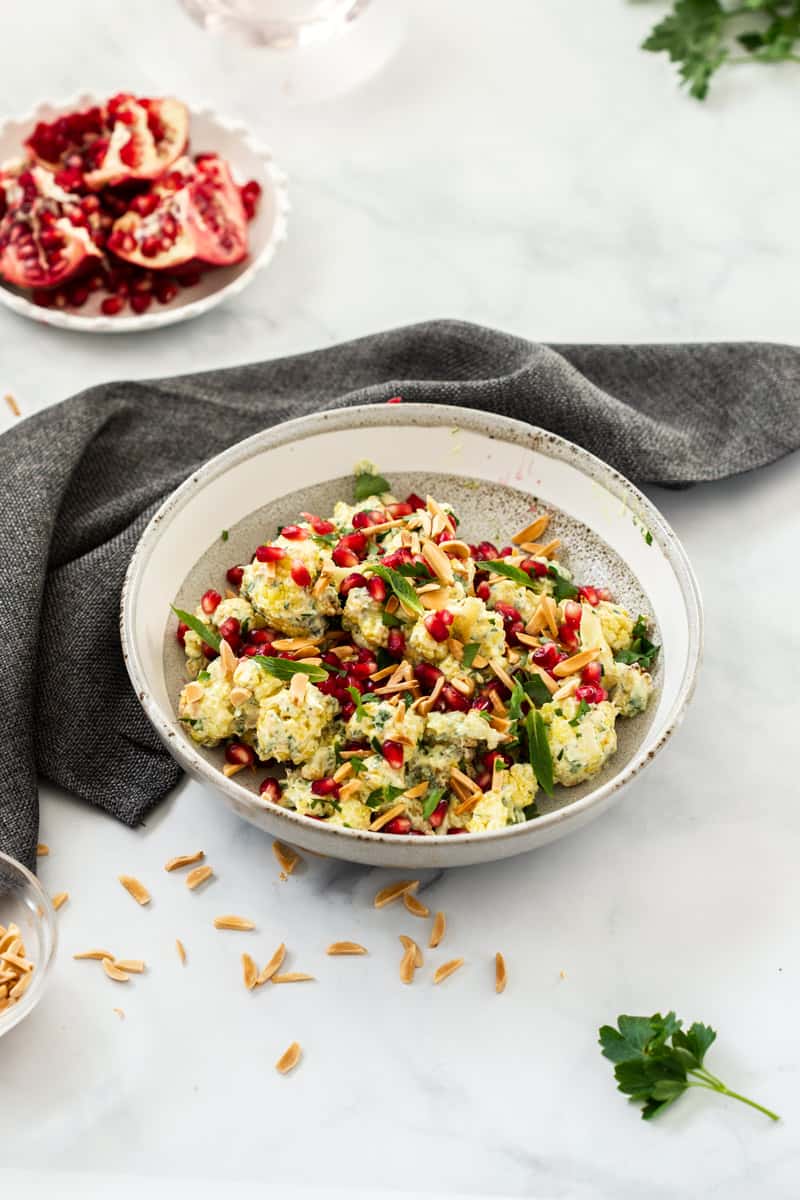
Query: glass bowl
[[24, 902]]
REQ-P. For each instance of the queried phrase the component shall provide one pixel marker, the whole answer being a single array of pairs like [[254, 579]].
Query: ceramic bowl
[[492, 469], [24, 903], [248, 160]]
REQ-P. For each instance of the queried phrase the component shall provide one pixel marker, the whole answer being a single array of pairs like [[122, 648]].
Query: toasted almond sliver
[[59, 899], [287, 858], [133, 966], [98, 955], [434, 599], [289, 1059], [438, 562], [120, 1013], [21, 986], [184, 860], [572, 685], [545, 677], [438, 931], [467, 804], [458, 776], [249, 972], [12, 404], [273, 965], [576, 663], [501, 673], [193, 691], [394, 891], [447, 969], [114, 973], [42, 850], [408, 965], [179, 946], [455, 548], [551, 612], [465, 686], [419, 789], [297, 687], [292, 977], [136, 889], [228, 659], [533, 531], [231, 921], [549, 550], [231, 769], [500, 973], [350, 789], [395, 811], [197, 876], [297, 643], [410, 944], [19, 961], [346, 948], [343, 772], [415, 906]]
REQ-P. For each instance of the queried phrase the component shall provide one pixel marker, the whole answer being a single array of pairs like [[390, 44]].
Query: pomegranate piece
[[426, 675], [377, 588], [572, 614], [261, 637], [239, 754], [452, 700], [403, 509], [590, 693], [300, 573], [230, 630], [234, 576], [251, 194], [415, 501], [294, 533], [592, 673], [400, 825], [393, 753], [534, 568], [438, 624], [483, 591], [181, 631], [209, 601], [270, 789], [485, 550], [269, 554], [603, 594], [325, 787], [367, 517], [508, 613], [546, 656], [45, 237], [317, 524], [344, 557], [438, 814], [112, 305], [589, 594], [396, 643], [398, 558], [352, 581]]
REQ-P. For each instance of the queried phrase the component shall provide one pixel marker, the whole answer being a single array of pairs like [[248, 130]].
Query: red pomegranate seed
[[534, 567], [141, 301], [325, 787], [363, 669], [240, 754], [453, 700], [209, 601], [438, 624], [396, 643], [592, 673], [393, 753], [400, 825], [269, 554], [572, 613], [426, 675], [491, 756], [77, 295], [112, 305], [483, 591], [165, 290], [250, 651], [438, 814], [482, 703], [270, 789], [180, 632], [590, 693], [589, 594], [546, 656], [208, 651], [415, 501], [395, 400], [300, 573], [486, 550], [230, 629], [377, 588], [460, 829], [365, 518], [604, 594], [398, 558], [352, 581], [568, 636], [344, 557], [403, 509], [356, 542], [150, 246], [508, 613], [317, 524], [234, 576], [295, 533], [261, 637], [484, 780]]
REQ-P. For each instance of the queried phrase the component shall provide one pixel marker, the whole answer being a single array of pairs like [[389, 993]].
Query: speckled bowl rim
[[494, 425], [166, 315]]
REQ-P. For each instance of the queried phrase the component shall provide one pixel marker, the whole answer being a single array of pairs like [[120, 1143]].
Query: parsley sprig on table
[[656, 1061], [703, 35]]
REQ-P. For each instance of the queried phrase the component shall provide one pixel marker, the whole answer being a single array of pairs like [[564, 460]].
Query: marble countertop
[[525, 166]]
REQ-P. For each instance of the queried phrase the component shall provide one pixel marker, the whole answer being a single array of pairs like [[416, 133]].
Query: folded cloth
[[80, 481]]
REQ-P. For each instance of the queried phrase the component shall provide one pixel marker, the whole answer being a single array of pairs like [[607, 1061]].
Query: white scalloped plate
[[248, 160]]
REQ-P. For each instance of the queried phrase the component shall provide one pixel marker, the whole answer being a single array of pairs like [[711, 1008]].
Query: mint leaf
[[468, 657], [431, 801], [641, 650], [203, 631], [284, 668], [537, 691], [563, 588], [383, 795], [539, 750], [500, 567], [399, 585], [370, 485]]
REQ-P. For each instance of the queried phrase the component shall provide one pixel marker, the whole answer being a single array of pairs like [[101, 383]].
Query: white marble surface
[[526, 166]]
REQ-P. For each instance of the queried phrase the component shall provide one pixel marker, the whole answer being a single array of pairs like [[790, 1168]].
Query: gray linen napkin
[[79, 482]]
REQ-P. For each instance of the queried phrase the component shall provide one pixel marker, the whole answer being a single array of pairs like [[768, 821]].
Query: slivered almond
[[228, 659], [350, 789], [392, 604], [501, 673], [344, 653], [408, 965], [438, 562], [298, 687], [240, 696], [427, 702], [394, 891], [320, 584], [12, 404], [576, 663], [395, 811], [179, 946], [17, 960], [345, 948], [438, 930], [136, 889], [465, 686], [467, 804], [410, 944], [287, 858], [545, 677], [500, 973], [347, 754], [551, 612], [120, 1013], [114, 972], [268, 570], [197, 876], [343, 772], [292, 977], [133, 966], [501, 724], [456, 648], [419, 789], [231, 769], [20, 987], [184, 860], [231, 921], [390, 689], [249, 972], [415, 906], [549, 550], [572, 685], [309, 662], [460, 777], [531, 532], [528, 640], [455, 548], [59, 899], [447, 969], [192, 692], [273, 965], [384, 673], [479, 662], [289, 1059], [42, 850], [297, 643], [434, 600], [229, 595], [538, 621], [99, 955]]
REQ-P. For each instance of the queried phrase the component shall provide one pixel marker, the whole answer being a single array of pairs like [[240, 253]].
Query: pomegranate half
[[46, 236]]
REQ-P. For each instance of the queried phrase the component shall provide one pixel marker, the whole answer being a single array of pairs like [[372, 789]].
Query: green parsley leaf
[[654, 1072], [539, 750], [203, 631], [468, 657], [431, 801], [390, 620], [203, 676], [383, 795], [399, 585], [564, 589], [370, 485], [284, 668], [325, 539], [582, 710], [376, 745], [648, 537], [500, 567], [357, 764], [359, 703], [641, 650], [415, 570], [536, 690], [224, 535]]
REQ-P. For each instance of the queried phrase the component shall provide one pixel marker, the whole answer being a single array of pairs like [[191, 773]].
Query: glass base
[[279, 24]]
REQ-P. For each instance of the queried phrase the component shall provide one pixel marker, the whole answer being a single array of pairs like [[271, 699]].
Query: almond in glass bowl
[[28, 937]]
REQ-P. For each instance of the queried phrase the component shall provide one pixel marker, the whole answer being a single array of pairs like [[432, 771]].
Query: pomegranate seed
[[270, 789], [295, 533], [208, 651], [589, 594], [150, 246], [589, 693], [362, 670], [261, 637], [438, 814], [352, 581], [325, 787], [546, 656], [438, 624], [460, 829], [230, 629], [300, 573], [572, 613], [508, 613], [209, 601], [398, 825], [145, 204], [165, 291], [234, 576], [41, 296], [483, 591], [396, 643], [534, 567], [180, 632], [251, 651], [356, 542], [377, 588], [491, 756], [393, 753], [486, 550], [240, 754], [426, 675], [568, 636], [78, 295], [269, 554], [403, 509], [395, 400], [482, 703], [317, 524], [398, 558], [141, 301], [365, 518], [484, 780], [453, 700], [604, 594], [592, 673], [344, 557], [513, 629], [112, 305], [504, 553], [415, 501]]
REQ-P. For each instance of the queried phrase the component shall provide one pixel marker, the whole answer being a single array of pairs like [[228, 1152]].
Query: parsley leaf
[[468, 657], [399, 585], [224, 535], [563, 589], [383, 795], [641, 650], [284, 668], [390, 620], [654, 1072], [325, 539], [539, 750], [536, 690], [370, 485], [203, 631], [415, 570], [203, 676], [500, 567], [431, 801]]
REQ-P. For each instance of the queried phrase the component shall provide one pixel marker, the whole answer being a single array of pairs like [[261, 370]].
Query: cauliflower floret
[[291, 731], [580, 750], [258, 684], [617, 624], [504, 805], [322, 762], [463, 729], [633, 690], [297, 794], [362, 618], [377, 773], [277, 598], [421, 647], [210, 717], [381, 720], [238, 607], [433, 763], [474, 622], [352, 814], [523, 599]]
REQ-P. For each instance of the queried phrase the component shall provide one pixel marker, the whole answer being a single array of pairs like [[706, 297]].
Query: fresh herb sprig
[[498, 566], [285, 668], [701, 36], [203, 631], [641, 650], [404, 591], [539, 750], [655, 1061], [368, 485]]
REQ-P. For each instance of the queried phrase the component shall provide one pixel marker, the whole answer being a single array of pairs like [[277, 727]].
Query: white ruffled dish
[[208, 132]]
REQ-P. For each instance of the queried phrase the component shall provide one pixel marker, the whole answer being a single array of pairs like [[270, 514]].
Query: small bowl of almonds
[[28, 937]]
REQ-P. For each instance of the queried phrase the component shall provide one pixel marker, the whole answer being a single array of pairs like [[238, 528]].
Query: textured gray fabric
[[79, 482]]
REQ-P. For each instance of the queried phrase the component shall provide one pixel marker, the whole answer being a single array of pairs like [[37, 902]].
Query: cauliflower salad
[[404, 680]]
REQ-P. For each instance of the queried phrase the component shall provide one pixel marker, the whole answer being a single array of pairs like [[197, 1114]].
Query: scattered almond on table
[[179, 946], [136, 889], [184, 860], [438, 931], [197, 876], [12, 404], [500, 973], [286, 856], [394, 891], [292, 977], [231, 921], [59, 899], [274, 964], [447, 969], [42, 850], [289, 1059], [415, 906], [346, 948], [410, 944]]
